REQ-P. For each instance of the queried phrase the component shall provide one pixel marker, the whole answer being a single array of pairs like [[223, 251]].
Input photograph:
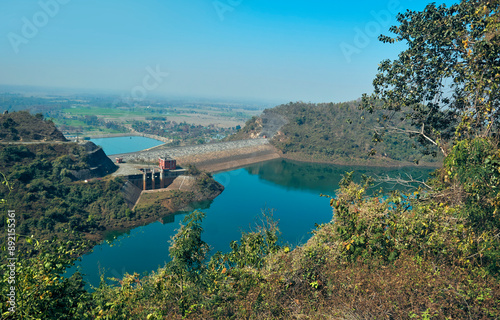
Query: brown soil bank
[[237, 158], [231, 159], [370, 162]]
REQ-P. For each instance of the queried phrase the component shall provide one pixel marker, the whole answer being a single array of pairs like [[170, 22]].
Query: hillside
[[22, 126], [337, 133], [51, 201], [265, 126], [61, 189], [48, 199]]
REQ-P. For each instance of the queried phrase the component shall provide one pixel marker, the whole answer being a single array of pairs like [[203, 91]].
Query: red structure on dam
[[167, 163], [157, 177]]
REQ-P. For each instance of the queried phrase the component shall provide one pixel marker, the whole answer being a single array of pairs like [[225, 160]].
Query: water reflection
[[325, 178], [290, 188]]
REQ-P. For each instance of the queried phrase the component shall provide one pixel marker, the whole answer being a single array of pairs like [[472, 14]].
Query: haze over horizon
[[237, 49]]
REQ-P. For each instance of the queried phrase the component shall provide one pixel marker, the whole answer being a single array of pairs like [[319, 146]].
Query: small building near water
[[167, 163], [152, 177]]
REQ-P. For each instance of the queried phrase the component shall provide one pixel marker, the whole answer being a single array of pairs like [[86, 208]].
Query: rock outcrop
[[98, 162]]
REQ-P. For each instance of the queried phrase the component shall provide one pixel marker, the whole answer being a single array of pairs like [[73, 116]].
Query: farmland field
[[102, 112]]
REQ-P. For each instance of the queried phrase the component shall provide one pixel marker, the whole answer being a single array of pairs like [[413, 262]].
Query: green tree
[[446, 83], [188, 251], [42, 291], [255, 246]]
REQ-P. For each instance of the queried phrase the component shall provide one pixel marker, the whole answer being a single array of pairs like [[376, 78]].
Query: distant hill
[[24, 127], [333, 132], [265, 126]]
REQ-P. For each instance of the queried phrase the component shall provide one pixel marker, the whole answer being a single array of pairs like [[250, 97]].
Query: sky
[[313, 51]]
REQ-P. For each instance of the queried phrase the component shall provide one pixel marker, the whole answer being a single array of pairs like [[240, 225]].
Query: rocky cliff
[[98, 163]]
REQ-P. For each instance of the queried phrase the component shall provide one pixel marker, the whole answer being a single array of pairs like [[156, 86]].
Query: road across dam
[[211, 157]]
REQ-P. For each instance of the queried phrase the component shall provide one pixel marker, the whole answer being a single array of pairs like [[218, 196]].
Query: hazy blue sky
[[290, 50]]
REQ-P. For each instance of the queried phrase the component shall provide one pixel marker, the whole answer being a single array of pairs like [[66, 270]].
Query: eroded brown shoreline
[[233, 159]]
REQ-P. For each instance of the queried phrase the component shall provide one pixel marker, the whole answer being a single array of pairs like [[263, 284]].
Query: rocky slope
[[98, 163]]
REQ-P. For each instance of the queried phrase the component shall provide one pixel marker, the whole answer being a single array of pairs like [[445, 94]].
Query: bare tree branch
[[421, 132], [409, 181]]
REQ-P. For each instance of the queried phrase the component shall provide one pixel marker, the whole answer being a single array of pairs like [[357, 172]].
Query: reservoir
[[125, 144], [290, 190]]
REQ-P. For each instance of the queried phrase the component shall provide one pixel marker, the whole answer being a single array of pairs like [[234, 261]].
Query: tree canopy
[[446, 82], [335, 132]]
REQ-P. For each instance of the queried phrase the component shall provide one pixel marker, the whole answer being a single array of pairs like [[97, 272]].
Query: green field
[[97, 111], [77, 115], [70, 122]]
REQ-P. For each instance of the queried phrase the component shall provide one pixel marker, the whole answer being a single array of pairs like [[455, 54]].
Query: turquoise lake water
[[125, 144], [291, 189]]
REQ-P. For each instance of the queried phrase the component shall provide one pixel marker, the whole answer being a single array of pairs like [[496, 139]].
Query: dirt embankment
[[210, 157], [231, 159], [370, 162]]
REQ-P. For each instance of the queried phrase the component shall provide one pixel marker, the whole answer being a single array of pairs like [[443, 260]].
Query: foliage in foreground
[[432, 254], [41, 290], [426, 254], [446, 83]]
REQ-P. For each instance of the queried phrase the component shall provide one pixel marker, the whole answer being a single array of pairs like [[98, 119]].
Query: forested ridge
[[48, 200], [339, 133], [22, 126], [433, 253]]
